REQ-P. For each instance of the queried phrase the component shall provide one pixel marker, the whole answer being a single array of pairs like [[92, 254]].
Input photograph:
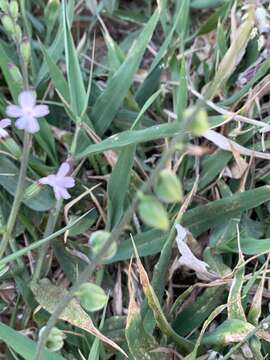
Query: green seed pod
[[15, 73], [200, 123], [14, 9], [25, 49], [55, 339], [32, 191], [92, 297], [4, 5], [8, 24], [168, 187], [96, 242], [152, 213]]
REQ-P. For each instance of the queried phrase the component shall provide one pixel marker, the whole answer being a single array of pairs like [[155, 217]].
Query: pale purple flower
[[27, 112], [3, 124], [60, 182]]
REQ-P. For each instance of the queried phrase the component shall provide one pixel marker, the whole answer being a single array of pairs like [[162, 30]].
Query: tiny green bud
[[14, 9], [51, 12], [200, 123], [18, 33], [96, 242], [4, 5], [32, 191], [15, 73], [25, 49], [92, 297], [153, 213], [168, 187], [8, 24]]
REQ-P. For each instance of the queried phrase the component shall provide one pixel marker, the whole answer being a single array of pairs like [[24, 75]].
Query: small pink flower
[[3, 124], [60, 182], [27, 112]]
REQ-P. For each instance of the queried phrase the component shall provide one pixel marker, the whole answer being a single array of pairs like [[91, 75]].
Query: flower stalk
[[18, 195]]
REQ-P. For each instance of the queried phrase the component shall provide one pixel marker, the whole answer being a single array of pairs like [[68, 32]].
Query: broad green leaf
[[193, 316], [181, 16], [23, 345], [41, 242], [57, 47], [230, 331], [202, 218], [118, 86], [249, 246], [75, 80], [13, 87], [130, 137], [56, 75], [206, 4]]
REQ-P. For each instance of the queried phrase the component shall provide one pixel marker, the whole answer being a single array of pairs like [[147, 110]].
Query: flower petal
[[3, 133], [40, 111], [14, 111], [66, 182], [64, 193], [48, 180], [5, 123], [27, 99], [57, 192], [21, 123], [32, 126], [63, 170]]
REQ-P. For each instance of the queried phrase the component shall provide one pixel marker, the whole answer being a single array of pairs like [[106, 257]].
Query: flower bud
[[25, 49], [8, 24], [51, 12], [92, 297], [200, 123], [153, 213], [4, 5], [14, 9], [96, 242], [15, 73], [168, 187]]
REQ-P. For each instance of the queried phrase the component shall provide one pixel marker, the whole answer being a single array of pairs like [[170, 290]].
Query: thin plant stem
[[177, 143], [51, 223], [87, 272], [18, 195]]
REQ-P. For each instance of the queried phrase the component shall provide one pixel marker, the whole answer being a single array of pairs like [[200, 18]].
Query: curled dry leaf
[[229, 145], [188, 258]]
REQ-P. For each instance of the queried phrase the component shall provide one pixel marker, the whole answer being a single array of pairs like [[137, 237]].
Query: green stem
[[75, 139], [18, 195], [51, 223]]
